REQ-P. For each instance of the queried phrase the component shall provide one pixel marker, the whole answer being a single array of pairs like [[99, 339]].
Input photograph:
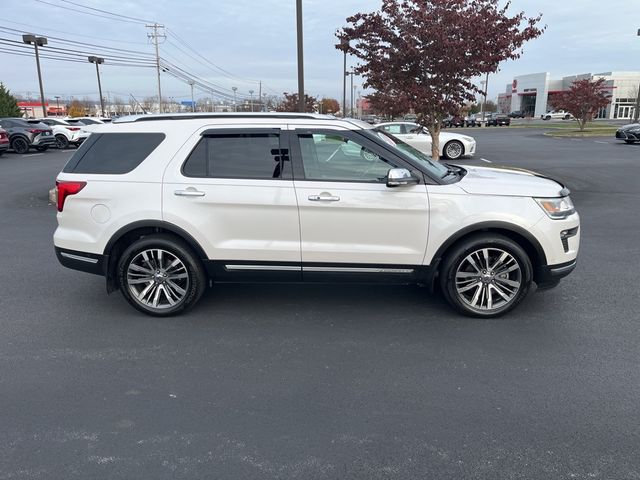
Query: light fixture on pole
[[251, 101], [235, 105], [37, 42], [98, 61]]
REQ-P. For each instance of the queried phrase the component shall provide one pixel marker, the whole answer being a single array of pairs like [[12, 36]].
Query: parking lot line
[[485, 160], [598, 141], [33, 154]]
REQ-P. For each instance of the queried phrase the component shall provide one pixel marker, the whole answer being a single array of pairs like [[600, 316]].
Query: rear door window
[[113, 153], [238, 155]]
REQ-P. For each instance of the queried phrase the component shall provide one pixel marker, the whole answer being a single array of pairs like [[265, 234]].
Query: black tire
[[20, 145], [453, 150], [456, 260], [193, 284], [42, 149], [548, 117], [62, 141], [630, 142], [567, 117]]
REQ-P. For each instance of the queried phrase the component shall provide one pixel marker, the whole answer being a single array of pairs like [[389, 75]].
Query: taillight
[[36, 130], [65, 189], [73, 129]]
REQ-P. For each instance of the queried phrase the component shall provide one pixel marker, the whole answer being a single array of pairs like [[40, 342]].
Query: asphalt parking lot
[[328, 382]]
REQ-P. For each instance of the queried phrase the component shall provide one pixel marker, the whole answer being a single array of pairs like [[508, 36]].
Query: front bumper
[[44, 140], [549, 276], [627, 135]]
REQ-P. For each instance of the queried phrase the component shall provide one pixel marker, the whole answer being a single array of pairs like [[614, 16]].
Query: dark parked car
[[517, 114], [498, 119], [372, 119], [629, 133], [453, 121], [4, 141], [24, 135]]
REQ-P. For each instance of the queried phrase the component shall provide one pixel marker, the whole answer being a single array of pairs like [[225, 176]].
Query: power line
[[87, 13], [107, 12]]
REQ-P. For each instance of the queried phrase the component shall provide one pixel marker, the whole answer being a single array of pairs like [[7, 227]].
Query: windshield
[[438, 170]]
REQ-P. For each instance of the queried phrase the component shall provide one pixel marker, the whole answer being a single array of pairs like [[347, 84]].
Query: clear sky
[[255, 40]]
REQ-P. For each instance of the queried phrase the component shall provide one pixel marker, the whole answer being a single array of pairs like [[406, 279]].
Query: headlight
[[556, 208], [467, 139]]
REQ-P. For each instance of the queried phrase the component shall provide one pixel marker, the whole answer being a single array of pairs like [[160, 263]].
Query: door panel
[[347, 213], [245, 219]]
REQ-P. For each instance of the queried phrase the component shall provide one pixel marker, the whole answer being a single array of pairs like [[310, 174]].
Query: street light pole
[[57, 97], [235, 105], [484, 101], [636, 114], [37, 42], [345, 45], [301, 102], [193, 103], [251, 101], [98, 61]]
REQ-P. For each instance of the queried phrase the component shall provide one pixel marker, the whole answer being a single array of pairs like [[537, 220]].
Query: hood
[[631, 126], [513, 182], [446, 136]]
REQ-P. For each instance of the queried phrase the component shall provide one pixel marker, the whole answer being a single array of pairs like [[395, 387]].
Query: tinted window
[[237, 156], [337, 158], [113, 153]]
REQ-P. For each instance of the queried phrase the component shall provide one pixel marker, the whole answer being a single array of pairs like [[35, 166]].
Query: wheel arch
[[514, 232], [136, 230]]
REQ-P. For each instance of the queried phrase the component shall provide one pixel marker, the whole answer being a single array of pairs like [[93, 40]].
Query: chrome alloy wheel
[[454, 150], [157, 278], [488, 279]]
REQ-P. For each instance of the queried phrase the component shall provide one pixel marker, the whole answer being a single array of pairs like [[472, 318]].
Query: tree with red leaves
[[583, 100], [426, 53], [387, 106], [290, 103]]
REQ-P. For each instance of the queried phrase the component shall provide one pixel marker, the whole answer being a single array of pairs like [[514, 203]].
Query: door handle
[[189, 193], [324, 198]]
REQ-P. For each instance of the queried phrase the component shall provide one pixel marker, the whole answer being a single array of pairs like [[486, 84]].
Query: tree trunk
[[434, 131]]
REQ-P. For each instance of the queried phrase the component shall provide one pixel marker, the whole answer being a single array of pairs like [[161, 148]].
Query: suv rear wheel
[[159, 275], [486, 275]]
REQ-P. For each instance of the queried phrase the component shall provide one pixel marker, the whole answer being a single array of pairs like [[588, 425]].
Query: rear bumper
[[83, 261], [627, 135]]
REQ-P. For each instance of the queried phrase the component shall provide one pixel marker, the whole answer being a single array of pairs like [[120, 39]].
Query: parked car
[[498, 119], [24, 135], [518, 114], [84, 120], [64, 133], [372, 119], [452, 145], [206, 204], [474, 120], [556, 114], [453, 121], [4, 141], [410, 117], [629, 133]]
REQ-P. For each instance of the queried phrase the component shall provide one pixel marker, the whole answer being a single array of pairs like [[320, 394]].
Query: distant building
[[32, 109], [534, 93]]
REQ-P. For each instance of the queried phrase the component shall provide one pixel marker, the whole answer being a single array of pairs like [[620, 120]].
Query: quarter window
[[395, 129], [334, 157], [251, 156]]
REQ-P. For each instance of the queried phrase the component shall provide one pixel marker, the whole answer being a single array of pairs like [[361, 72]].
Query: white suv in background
[[165, 205], [65, 133]]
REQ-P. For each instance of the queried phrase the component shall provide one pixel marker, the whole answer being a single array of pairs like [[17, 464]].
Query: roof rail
[[202, 116]]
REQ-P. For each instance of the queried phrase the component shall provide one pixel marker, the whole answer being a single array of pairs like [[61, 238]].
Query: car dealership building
[[534, 93]]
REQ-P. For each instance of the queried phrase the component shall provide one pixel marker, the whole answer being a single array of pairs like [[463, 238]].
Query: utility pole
[[37, 42], [154, 36], [301, 102], [193, 103], [484, 101], [235, 105], [98, 61], [636, 113], [251, 101], [57, 97], [260, 94], [345, 45], [351, 94]]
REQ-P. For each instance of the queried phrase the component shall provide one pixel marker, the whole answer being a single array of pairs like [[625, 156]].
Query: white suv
[[165, 205]]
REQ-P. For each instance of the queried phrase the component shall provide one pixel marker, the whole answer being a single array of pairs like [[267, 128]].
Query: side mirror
[[397, 177]]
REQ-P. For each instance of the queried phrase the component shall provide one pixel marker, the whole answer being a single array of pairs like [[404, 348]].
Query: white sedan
[[452, 145]]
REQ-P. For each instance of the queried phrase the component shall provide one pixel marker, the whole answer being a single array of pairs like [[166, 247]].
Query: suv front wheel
[[486, 275], [159, 275]]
